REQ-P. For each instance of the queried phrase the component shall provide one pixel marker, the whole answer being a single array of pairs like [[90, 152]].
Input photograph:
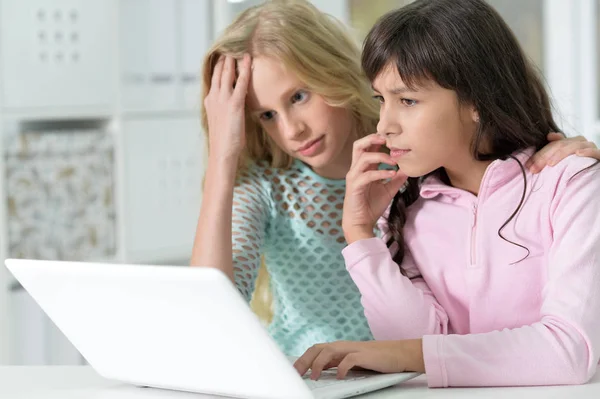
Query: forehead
[[270, 83], [389, 80]]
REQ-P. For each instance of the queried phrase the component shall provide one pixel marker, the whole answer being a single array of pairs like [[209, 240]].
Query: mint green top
[[293, 218]]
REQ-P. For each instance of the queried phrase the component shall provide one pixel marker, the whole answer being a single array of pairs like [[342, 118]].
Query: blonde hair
[[315, 47]]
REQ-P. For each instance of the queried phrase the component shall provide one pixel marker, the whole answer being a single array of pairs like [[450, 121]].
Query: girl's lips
[[311, 148], [397, 153]]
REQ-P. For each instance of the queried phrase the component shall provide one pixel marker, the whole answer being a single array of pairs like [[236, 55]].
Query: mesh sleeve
[[250, 219]]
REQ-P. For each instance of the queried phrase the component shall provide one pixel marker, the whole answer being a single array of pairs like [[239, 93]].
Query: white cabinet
[[130, 71], [162, 46], [162, 179], [60, 192], [149, 55], [57, 54], [196, 37]]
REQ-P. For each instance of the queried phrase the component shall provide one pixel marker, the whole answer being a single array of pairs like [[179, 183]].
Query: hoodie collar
[[497, 173]]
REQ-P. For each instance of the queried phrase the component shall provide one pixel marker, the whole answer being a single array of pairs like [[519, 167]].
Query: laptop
[[177, 328]]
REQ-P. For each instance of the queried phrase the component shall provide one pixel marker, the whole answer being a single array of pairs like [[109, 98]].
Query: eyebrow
[[396, 90], [288, 93], [257, 112]]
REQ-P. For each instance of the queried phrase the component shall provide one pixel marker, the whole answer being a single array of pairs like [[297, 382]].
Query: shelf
[[148, 114], [67, 113]]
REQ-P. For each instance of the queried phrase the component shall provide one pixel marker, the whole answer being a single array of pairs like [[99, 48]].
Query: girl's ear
[[475, 115]]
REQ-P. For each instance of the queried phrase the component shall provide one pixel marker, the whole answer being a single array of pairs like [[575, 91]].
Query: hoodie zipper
[[474, 236]]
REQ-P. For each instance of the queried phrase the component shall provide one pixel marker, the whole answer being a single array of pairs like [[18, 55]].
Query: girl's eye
[[299, 96], [409, 102], [379, 99], [267, 116]]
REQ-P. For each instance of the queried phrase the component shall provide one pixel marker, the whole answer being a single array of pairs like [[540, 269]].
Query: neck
[[468, 176], [333, 171]]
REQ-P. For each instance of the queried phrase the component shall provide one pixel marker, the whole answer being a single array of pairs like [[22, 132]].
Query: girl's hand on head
[[369, 190], [225, 108], [559, 148], [380, 356]]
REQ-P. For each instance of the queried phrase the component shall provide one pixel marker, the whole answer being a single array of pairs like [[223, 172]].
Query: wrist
[[222, 168], [224, 154], [357, 233], [223, 158], [412, 351]]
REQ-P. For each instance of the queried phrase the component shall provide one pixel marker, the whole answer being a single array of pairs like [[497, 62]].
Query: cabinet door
[[58, 54], [163, 166], [196, 36], [149, 55]]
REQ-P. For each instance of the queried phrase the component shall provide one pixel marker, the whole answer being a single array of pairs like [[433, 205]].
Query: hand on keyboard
[[329, 377]]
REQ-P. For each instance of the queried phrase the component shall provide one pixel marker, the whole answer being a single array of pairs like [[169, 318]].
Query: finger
[[217, 72], [557, 141], [367, 141], [304, 362], [370, 143], [241, 84], [228, 75], [396, 182], [375, 360], [535, 161], [556, 152], [540, 159], [372, 176], [589, 152], [555, 136], [348, 363], [371, 160], [326, 357], [587, 144], [575, 138], [570, 149]]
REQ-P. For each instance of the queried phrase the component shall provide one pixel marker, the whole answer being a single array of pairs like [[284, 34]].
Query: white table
[[82, 382]]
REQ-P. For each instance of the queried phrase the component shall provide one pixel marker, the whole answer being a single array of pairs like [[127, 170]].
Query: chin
[[316, 162], [319, 161], [414, 170]]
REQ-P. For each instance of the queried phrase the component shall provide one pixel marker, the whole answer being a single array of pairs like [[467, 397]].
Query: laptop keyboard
[[328, 377]]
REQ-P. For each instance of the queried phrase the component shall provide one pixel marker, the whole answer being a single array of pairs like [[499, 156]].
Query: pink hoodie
[[487, 316]]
